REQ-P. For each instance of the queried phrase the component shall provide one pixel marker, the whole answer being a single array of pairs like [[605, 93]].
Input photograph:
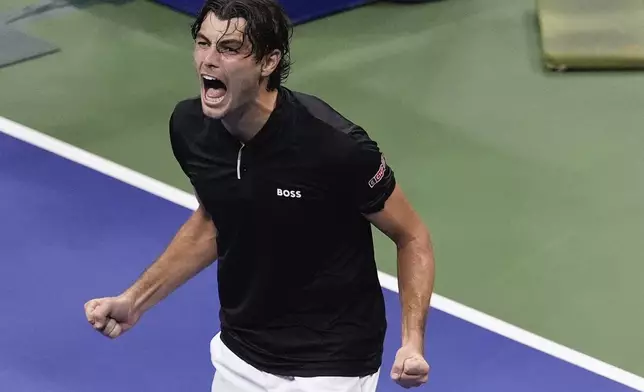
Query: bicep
[[398, 220]]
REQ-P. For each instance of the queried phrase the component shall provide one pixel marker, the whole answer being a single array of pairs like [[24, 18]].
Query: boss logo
[[287, 193]]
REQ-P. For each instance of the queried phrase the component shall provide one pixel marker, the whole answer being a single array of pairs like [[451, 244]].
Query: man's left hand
[[410, 369]]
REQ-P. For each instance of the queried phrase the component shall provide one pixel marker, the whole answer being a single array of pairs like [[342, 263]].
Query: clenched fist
[[410, 368], [112, 316]]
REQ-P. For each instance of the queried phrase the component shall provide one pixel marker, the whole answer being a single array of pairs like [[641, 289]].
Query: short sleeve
[[371, 179], [178, 143]]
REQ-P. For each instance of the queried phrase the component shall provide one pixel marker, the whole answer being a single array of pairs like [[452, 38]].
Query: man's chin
[[212, 113]]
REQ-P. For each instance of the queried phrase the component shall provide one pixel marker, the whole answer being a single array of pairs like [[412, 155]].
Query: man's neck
[[250, 119]]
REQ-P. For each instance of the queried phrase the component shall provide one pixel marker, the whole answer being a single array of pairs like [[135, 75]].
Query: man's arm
[[191, 250], [376, 194], [403, 226]]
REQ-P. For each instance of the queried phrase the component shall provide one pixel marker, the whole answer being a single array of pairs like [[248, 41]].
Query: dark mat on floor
[[16, 47]]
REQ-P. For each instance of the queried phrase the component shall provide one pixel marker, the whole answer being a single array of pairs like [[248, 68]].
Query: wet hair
[[267, 27]]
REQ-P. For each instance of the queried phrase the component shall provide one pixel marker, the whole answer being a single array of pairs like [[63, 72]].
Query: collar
[[273, 127], [275, 123]]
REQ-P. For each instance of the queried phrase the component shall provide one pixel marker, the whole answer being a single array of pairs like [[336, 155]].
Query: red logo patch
[[380, 173]]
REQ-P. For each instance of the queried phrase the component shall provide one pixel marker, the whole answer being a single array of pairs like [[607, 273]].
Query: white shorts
[[232, 374]]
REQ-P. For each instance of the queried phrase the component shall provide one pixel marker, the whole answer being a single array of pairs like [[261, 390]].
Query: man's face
[[229, 75]]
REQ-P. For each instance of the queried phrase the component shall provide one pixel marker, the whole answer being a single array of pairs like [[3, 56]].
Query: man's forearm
[[415, 283], [191, 250]]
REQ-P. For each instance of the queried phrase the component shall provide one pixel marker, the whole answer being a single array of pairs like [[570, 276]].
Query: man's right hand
[[112, 316], [193, 248]]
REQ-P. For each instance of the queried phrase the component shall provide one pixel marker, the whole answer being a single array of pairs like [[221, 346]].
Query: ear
[[271, 62]]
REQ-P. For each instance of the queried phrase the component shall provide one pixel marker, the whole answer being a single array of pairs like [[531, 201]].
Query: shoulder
[[345, 135], [186, 123], [356, 158], [186, 112], [184, 126]]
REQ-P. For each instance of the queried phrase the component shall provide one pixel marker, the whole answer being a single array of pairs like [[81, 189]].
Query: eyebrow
[[222, 41], [201, 36], [227, 41]]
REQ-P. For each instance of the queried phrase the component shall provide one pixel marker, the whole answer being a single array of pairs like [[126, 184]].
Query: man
[[288, 190]]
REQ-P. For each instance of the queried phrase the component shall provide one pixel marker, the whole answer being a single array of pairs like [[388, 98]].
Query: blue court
[[69, 233]]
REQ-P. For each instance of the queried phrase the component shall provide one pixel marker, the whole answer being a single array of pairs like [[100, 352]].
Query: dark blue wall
[[298, 10], [304, 10]]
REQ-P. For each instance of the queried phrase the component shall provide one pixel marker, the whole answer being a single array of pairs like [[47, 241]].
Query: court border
[[185, 199]]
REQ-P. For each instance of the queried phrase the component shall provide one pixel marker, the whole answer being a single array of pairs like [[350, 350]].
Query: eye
[[227, 49], [202, 43]]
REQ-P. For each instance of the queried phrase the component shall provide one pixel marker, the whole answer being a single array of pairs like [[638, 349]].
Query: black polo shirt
[[297, 278]]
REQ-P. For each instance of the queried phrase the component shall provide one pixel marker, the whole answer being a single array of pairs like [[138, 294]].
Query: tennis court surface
[[75, 226]]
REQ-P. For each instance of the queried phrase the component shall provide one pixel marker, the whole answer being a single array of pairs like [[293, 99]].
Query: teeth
[[208, 77]]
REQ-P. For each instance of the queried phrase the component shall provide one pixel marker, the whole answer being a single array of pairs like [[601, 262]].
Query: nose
[[212, 58]]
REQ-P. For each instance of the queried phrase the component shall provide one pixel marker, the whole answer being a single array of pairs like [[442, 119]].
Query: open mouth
[[214, 89]]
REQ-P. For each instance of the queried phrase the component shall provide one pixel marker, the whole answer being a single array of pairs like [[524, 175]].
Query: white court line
[[389, 282]]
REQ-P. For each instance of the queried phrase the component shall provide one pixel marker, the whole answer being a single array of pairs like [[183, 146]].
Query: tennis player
[[288, 192]]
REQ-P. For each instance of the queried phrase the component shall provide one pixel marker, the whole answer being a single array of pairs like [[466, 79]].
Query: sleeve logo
[[380, 173]]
